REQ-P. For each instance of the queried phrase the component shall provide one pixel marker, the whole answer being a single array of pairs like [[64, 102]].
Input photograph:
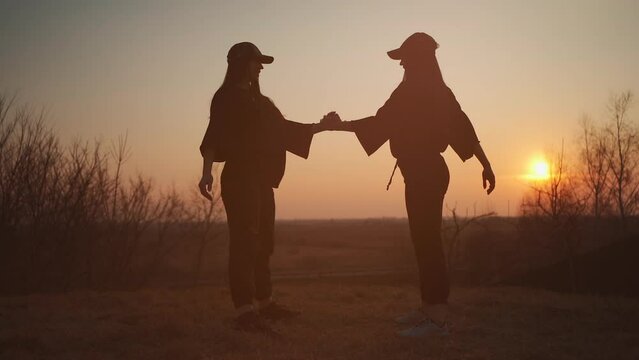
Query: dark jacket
[[251, 133], [420, 121]]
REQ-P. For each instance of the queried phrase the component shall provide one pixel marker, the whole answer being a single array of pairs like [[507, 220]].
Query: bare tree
[[120, 154], [594, 147], [556, 202], [207, 218], [452, 231], [70, 218], [623, 157]]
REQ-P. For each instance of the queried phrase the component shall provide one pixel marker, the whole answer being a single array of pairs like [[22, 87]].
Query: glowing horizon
[[523, 72]]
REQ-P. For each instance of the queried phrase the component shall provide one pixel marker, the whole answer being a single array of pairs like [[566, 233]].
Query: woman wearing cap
[[421, 119], [249, 134]]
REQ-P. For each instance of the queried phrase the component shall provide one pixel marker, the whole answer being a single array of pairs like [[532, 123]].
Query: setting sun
[[539, 170]]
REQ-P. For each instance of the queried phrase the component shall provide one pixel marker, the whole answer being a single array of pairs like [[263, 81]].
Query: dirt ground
[[349, 318]]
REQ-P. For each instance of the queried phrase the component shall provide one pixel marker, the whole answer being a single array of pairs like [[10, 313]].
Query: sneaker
[[425, 328], [275, 311], [250, 321], [410, 318]]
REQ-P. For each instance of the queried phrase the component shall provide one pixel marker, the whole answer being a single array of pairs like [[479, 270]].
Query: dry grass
[[342, 319]]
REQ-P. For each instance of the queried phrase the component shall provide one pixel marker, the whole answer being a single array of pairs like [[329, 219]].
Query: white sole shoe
[[411, 318], [424, 329]]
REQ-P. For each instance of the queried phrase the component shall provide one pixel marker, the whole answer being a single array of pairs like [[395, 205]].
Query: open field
[[314, 247], [491, 251], [343, 318], [488, 252]]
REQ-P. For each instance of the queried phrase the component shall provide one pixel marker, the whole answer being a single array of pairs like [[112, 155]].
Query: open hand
[[206, 186], [488, 176]]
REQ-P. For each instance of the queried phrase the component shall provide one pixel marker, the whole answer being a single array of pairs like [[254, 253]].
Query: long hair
[[429, 72], [235, 72], [432, 69]]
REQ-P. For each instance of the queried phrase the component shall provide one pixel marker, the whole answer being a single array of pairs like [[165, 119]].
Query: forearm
[[340, 126], [481, 156], [316, 128], [346, 125], [336, 126], [207, 164]]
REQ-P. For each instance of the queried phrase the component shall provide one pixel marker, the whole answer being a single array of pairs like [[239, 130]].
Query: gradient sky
[[523, 71]]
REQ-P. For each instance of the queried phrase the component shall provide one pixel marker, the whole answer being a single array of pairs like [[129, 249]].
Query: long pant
[[250, 212], [426, 184]]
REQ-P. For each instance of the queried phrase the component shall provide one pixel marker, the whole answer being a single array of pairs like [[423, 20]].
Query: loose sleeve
[[294, 137], [211, 142], [297, 137], [373, 131], [462, 136]]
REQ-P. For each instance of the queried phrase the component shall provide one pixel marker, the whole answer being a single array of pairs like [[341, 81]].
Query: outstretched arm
[[372, 132], [487, 174], [318, 127]]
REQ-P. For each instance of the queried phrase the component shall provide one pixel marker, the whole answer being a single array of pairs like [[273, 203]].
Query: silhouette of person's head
[[417, 57], [247, 51], [417, 45], [244, 65]]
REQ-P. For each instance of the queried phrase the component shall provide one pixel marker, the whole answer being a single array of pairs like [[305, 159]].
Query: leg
[[268, 309], [263, 286], [424, 218], [241, 206], [426, 185], [424, 209]]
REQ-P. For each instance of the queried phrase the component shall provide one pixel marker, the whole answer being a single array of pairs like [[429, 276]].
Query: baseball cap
[[417, 44], [247, 51]]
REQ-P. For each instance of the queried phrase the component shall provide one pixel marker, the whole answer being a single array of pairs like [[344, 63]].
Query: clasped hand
[[330, 121]]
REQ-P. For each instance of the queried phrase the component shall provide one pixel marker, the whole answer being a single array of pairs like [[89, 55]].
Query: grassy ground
[[342, 319]]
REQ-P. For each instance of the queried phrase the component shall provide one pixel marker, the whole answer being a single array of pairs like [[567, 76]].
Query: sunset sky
[[523, 71]]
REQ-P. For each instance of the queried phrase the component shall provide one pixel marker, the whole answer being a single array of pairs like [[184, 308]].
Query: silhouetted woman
[[249, 134], [421, 119]]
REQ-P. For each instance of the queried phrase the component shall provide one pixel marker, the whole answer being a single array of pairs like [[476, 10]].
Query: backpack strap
[[392, 174]]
